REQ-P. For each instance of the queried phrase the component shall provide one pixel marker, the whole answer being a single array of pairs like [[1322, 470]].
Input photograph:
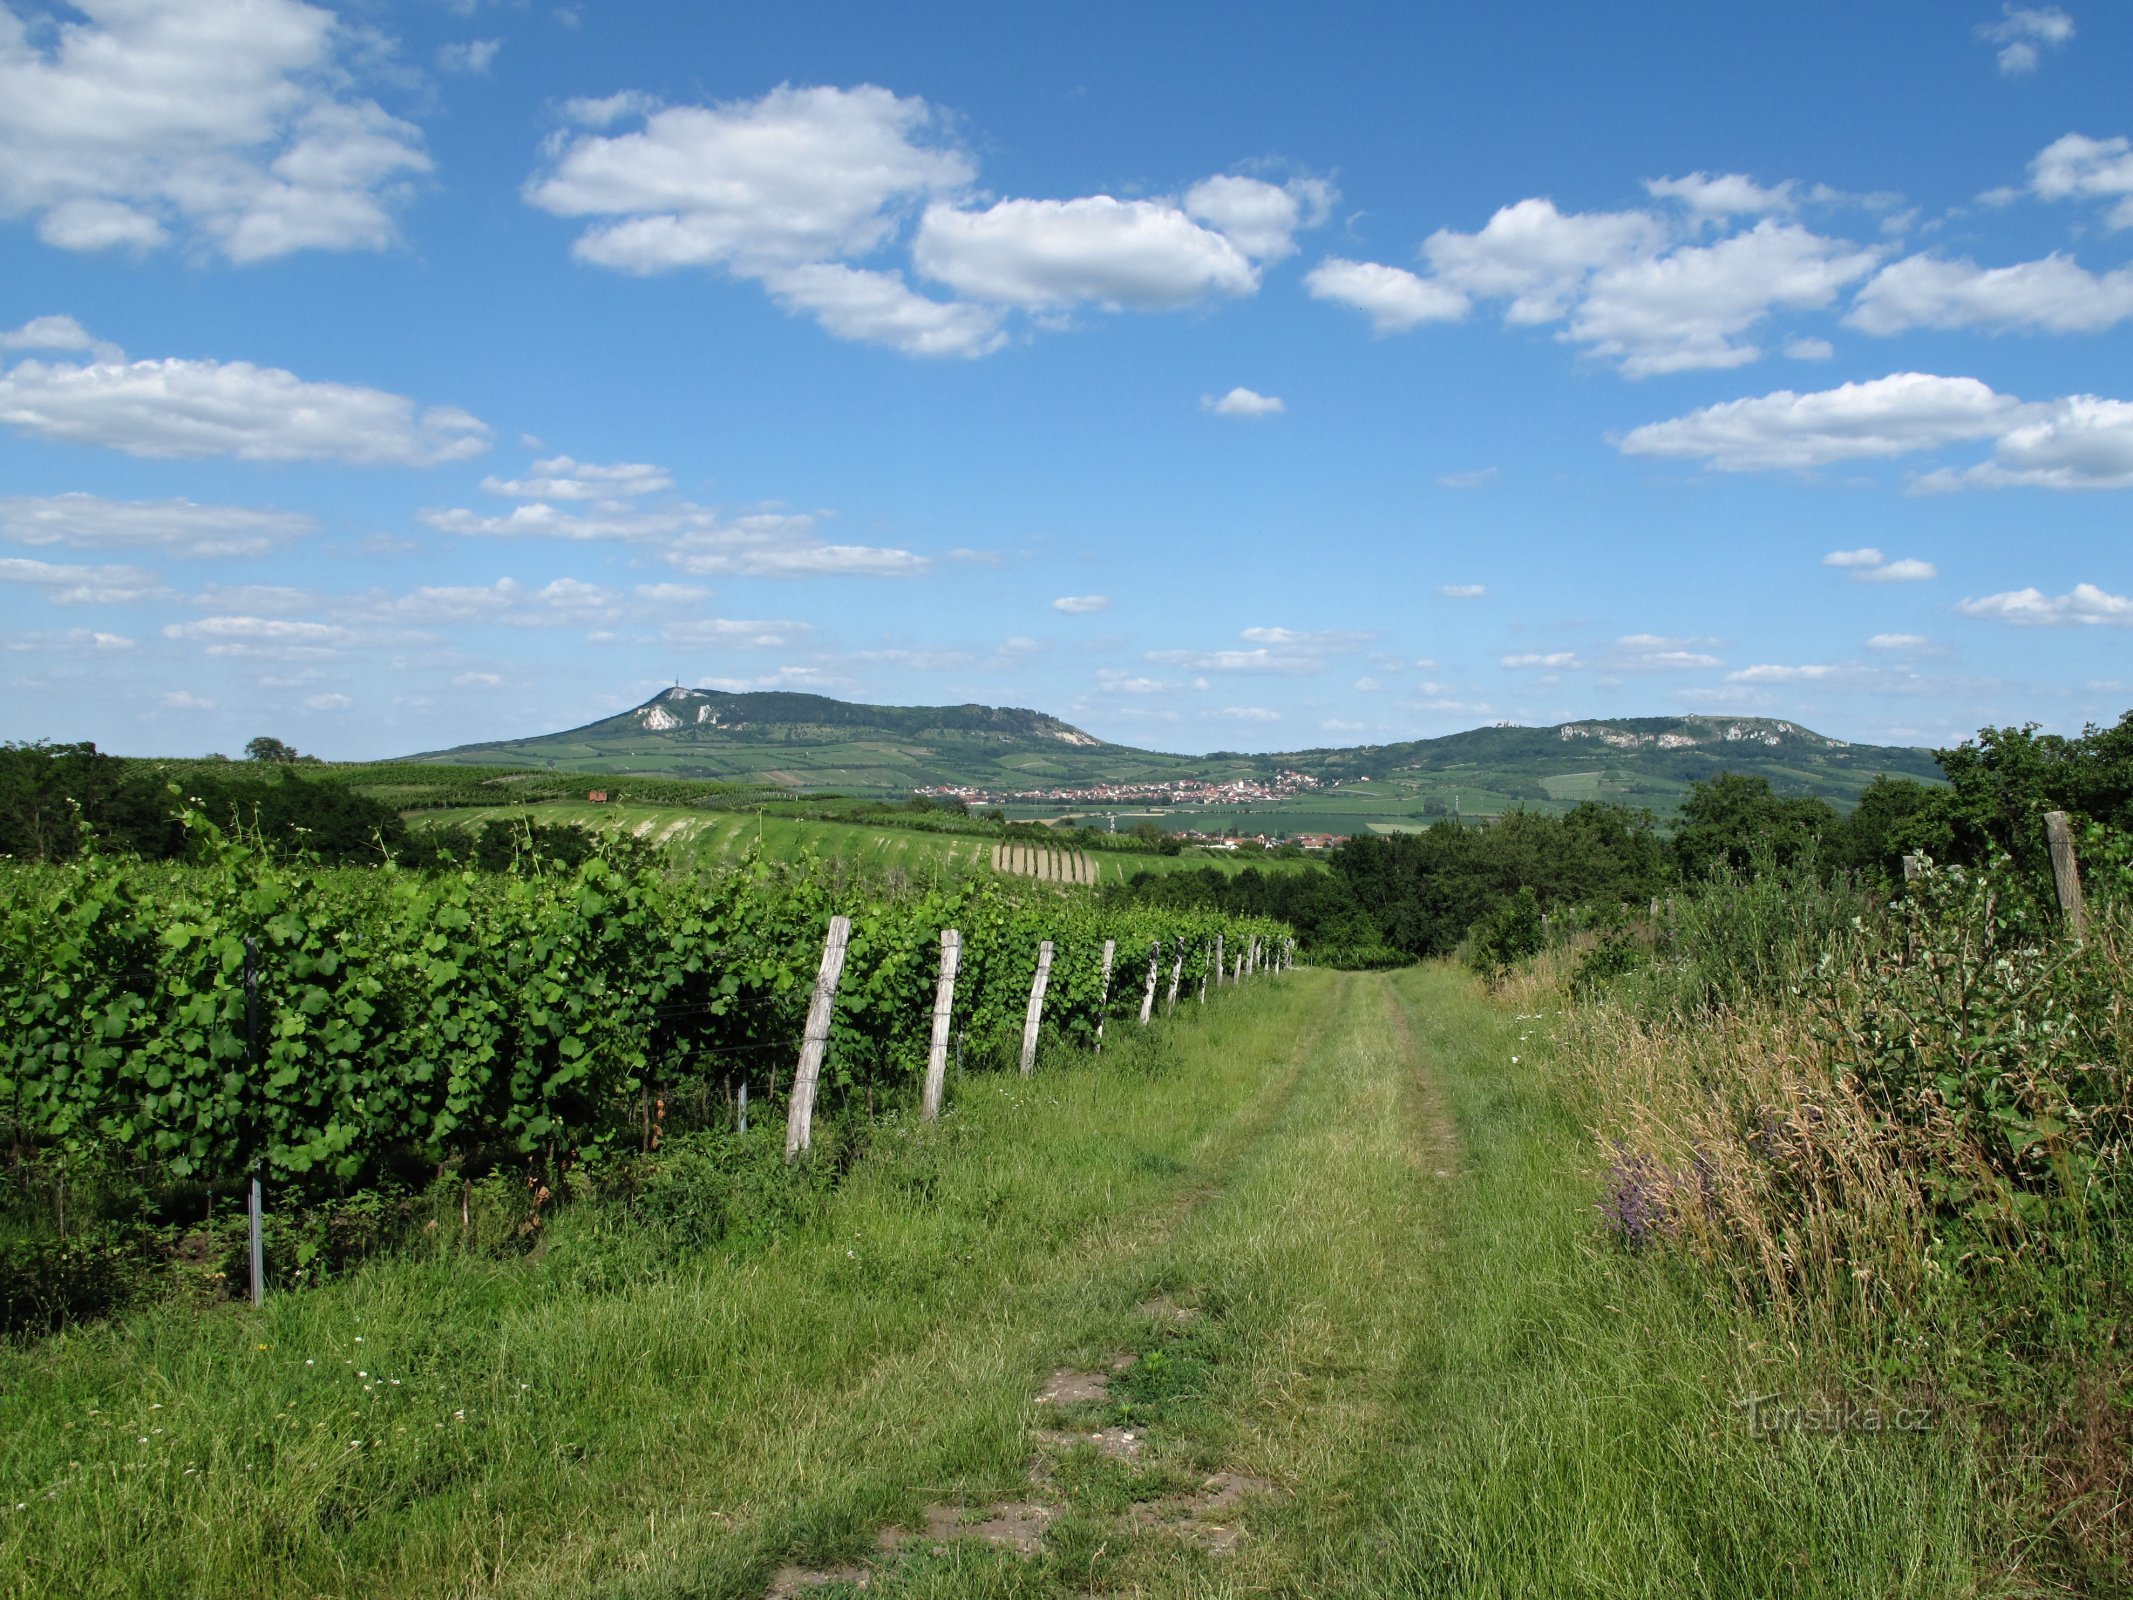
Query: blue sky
[[396, 376]]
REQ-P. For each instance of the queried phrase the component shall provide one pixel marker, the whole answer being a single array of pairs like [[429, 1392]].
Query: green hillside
[[800, 743], [809, 741]]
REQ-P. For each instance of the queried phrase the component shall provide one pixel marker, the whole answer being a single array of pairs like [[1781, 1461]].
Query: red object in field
[[597, 796]]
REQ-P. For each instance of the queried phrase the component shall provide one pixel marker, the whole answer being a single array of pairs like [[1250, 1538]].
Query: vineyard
[[324, 1027]]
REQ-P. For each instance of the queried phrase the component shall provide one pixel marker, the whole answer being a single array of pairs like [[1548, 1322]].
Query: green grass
[[1343, 1221]]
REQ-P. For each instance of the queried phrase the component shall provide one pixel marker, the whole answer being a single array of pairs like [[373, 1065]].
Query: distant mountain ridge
[[812, 742]]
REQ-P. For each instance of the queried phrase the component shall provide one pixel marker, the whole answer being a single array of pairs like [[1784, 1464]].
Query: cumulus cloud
[[730, 633], [796, 189], [2081, 442], [272, 638], [1393, 298], [1261, 219], [2077, 167], [1552, 659], [693, 538], [231, 123], [1649, 290], [1898, 641], [1650, 652], [1896, 415], [1869, 565], [72, 585], [2054, 295], [1772, 673], [179, 408], [1462, 591], [2084, 605], [561, 478], [2023, 33], [1689, 308], [1242, 402], [799, 175], [1248, 714], [173, 527], [881, 308], [1728, 194], [1809, 349], [1141, 255], [1082, 605]]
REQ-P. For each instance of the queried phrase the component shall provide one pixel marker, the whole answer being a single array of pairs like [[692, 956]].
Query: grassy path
[[1328, 1246]]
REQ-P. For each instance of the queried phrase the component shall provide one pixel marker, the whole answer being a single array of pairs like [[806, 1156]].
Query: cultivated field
[[1293, 1296]]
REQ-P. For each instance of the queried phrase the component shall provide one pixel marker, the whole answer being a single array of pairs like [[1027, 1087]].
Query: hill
[[1035, 764], [809, 741]]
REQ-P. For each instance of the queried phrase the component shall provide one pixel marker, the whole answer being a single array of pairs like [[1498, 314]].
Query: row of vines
[[320, 1026]]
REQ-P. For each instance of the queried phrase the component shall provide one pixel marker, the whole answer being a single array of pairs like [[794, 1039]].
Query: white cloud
[[1538, 257], [2081, 442], [1393, 298], [1242, 402], [1261, 660], [274, 638], [1898, 641], [1462, 591], [1118, 682], [2019, 33], [1082, 605], [1297, 638], [176, 408], [2077, 167], [1141, 255], [75, 641], [1649, 652], [186, 700], [561, 478], [2084, 605], [1904, 412], [799, 175], [328, 702], [872, 307], [693, 538], [470, 56], [1908, 570], [727, 633], [1689, 308], [1261, 219], [1248, 714], [2053, 295], [1728, 194], [1552, 659], [175, 527], [71, 585], [796, 188], [1768, 673], [1809, 349], [1865, 557], [1640, 288], [230, 121], [59, 333], [1479, 478]]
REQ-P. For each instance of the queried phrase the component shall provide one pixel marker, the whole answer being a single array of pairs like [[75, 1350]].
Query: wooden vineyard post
[[1177, 971], [800, 1113], [1203, 972], [1103, 1003], [2066, 872], [1155, 956], [255, 1205], [1036, 1007], [929, 1104], [1218, 961]]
